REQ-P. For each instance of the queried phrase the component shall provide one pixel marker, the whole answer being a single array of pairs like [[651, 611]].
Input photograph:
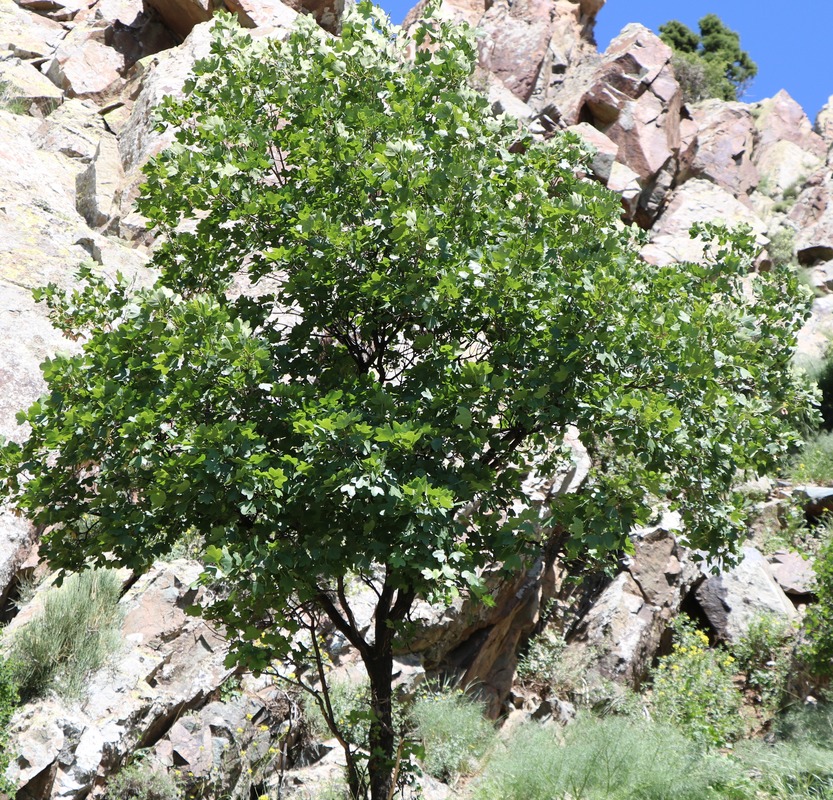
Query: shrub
[[140, 782], [349, 701], [693, 688], [8, 704], [550, 665], [763, 654], [691, 74], [607, 758], [814, 464], [781, 246], [823, 376], [10, 103], [74, 634], [817, 648], [453, 730]]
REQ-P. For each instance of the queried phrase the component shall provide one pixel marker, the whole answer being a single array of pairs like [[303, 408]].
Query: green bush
[[817, 647], [781, 247], [349, 701], [9, 700], [76, 631], [823, 376], [763, 654], [693, 688], [140, 782], [454, 732], [613, 758], [814, 464]]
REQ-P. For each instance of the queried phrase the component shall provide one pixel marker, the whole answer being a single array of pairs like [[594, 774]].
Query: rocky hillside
[[79, 80]]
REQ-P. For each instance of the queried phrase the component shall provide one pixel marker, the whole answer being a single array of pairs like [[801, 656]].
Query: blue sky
[[790, 43]]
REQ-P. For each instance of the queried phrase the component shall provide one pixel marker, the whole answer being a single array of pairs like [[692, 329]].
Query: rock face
[[697, 199], [725, 140], [84, 77], [169, 663], [528, 45], [623, 628]]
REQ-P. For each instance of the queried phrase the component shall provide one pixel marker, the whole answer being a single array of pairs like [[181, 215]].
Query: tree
[[711, 64], [377, 308]]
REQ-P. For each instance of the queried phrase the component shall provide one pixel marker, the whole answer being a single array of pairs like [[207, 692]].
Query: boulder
[[624, 181], [621, 631], [821, 276], [781, 119], [605, 151], [98, 187], [733, 599], [480, 643], [784, 165], [27, 87], [74, 130], [85, 65], [516, 41], [275, 14], [724, 140], [696, 200], [470, 11], [623, 628], [636, 101], [26, 35], [812, 216], [629, 94], [182, 16], [226, 748], [58, 10], [793, 573], [815, 336], [824, 122], [17, 541], [327, 13]]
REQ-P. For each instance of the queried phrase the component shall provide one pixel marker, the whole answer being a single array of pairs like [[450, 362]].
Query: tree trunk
[[382, 740]]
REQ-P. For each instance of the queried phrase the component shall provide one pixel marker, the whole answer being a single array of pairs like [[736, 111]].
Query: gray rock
[[793, 572], [733, 599]]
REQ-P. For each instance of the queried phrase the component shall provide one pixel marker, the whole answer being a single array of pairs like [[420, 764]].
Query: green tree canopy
[[377, 308], [711, 64]]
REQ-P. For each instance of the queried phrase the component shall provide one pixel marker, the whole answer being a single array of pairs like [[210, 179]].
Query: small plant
[[77, 630], [793, 190], [763, 654], [608, 759], [141, 782], [230, 689], [453, 730], [693, 688]]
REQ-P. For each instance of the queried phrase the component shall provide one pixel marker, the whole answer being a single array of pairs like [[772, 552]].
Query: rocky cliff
[[79, 80]]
